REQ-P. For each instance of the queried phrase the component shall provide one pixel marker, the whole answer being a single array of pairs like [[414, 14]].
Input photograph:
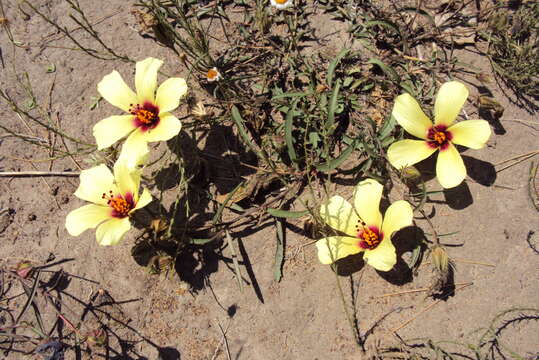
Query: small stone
[[32, 217]]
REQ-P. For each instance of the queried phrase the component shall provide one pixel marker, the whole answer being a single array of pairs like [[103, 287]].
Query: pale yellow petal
[[168, 127], [409, 115], [113, 89], [144, 200], [94, 182], [169, 94], [449, 101], [408, 152], [334, 248], [398, 215], [127, 178], [112, 231], [112, 129], [86, 217], [135, 149], [470, 133], [367, 195], [450, 169], [383, 257], [146, 79], [339, 214]]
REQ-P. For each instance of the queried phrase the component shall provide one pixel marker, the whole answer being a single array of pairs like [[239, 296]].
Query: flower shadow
[[349, 265], [459, 197], [192, 247], [405, 240], [480, 171]]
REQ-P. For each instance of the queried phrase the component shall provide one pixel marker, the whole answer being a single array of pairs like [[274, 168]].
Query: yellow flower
[[442, 135], [113, 198], [148, 117], [281, 4], [363, 227]]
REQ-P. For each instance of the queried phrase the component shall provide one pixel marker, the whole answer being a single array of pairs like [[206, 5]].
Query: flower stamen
[[370, 236], [146, 116], [121, 206], [439, 137]]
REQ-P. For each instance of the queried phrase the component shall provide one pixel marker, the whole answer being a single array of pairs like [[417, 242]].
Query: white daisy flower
[[213, 75], [281, 4]]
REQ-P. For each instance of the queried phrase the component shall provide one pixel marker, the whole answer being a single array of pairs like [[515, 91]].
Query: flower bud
[[440, 260], [410, 173], [24, 268], [97, 338]]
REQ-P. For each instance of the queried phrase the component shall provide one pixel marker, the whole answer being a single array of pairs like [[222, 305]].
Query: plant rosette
[[363, 227], [441, 135]]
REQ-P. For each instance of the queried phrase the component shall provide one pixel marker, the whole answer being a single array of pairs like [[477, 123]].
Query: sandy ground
[[300, 317]]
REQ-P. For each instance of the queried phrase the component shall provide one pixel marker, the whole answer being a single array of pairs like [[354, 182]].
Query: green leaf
[[384, 23], [416, 256], [333, 106], [238, 120], [222, 206], [389, 71], [387, 128], [202, 241], [334, 163], [287, 214], [51, 68], [288, 134], [406, 85], [333, 64], [291, 95]]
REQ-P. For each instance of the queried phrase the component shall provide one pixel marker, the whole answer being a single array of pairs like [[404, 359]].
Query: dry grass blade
[[235, 262], [407, 322], [419, 290], [37, 173]]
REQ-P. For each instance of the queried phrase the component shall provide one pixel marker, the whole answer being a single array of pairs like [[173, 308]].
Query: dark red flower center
[[121, 205], [146, 115], [438, 137], [370, 236]]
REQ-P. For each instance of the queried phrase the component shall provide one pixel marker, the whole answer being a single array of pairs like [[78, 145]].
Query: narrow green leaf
[[288, 134], [387, 128], [333, 64], [406, 86], [387, 141], [416, 255], [334, 163], [202, 241], [287, 214], [389, 71], [222, 206], [291, 95], [333, 106], [384, 23], [235, 261], [423, 198], [422, 12], [238, 120]]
